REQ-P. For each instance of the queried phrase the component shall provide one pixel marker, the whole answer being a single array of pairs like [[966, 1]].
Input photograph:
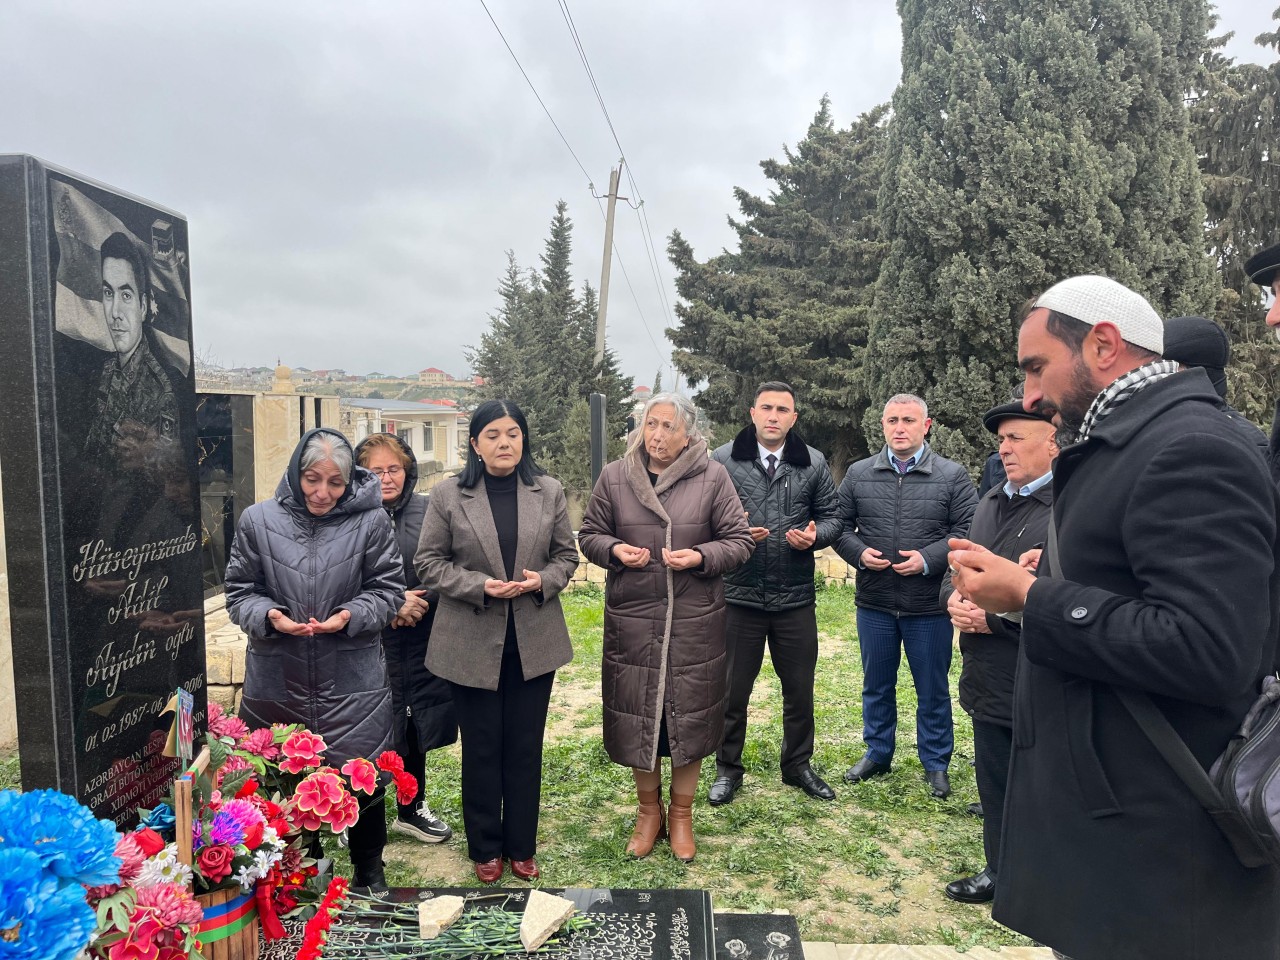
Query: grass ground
[[868, 868]]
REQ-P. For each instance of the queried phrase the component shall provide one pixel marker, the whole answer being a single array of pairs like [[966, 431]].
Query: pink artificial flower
[[362, 774], [222, 724], [345, 814], [303, 750], [319, 792], [261, 743], [171, 904], [233, 764], [131, 857]]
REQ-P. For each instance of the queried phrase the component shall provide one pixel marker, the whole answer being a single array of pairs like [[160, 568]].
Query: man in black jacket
[[1263, 269], [1010, 520], [897, 510], [790, 501], [1165, 584]]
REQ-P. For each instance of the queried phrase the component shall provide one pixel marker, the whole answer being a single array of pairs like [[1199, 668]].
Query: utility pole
[[604, 267]]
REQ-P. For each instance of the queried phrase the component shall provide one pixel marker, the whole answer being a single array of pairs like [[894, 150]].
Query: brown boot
[[651, 824], [680, 824]]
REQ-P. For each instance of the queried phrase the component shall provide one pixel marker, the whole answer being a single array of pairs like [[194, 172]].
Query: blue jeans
[[927, 640]]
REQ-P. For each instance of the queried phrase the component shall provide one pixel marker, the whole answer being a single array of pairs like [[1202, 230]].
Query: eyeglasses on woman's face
[[392, 471]]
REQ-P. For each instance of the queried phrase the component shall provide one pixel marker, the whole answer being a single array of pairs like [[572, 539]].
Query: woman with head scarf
[[498, 547], [423, 717], [314, 577], [667, 524]]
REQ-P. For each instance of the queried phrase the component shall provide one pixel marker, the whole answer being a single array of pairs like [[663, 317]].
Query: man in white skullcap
[[1163, 591]]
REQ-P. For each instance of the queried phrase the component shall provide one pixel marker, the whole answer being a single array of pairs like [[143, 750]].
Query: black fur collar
[[794, 450]]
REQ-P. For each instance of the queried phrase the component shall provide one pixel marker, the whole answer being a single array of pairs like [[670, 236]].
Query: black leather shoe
[[723, 790], [974, 809], [865, 769], [810, 783], [939, 783], [979, 888]]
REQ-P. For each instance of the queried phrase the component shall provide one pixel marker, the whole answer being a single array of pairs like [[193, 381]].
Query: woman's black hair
[[484, 415]]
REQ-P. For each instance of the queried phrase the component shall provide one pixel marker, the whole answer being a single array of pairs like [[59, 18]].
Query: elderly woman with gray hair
[[313, 578], [667, 524]]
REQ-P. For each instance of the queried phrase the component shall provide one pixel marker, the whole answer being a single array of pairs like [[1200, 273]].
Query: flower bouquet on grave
[[264, 795], [149, 912], [52, 849]]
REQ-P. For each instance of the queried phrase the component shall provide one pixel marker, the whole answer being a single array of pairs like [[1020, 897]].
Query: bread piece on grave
[[437, 914], [544, 914]]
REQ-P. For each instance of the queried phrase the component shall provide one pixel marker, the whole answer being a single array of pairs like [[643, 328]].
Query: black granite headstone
[[757, 936], [101, 504], [635, 924]]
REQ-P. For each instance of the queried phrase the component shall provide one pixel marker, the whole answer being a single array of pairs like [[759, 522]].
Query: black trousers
[[368, 835], [502, 734], [992, 745], [792, 636]]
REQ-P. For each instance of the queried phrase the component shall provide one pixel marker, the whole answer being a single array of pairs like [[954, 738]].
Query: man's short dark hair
[[775, 386], [119, 246]]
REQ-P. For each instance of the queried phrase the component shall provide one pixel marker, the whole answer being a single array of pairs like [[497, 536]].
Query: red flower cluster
[[406, 783], [317, 930]]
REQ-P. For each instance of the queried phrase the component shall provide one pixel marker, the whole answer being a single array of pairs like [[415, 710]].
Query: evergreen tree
[[539, 351], [792, 303], [657, 381], [1236, 126], [1031, 140]]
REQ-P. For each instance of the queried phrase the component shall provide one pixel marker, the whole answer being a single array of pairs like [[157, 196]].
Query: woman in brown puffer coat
[[667, 524]]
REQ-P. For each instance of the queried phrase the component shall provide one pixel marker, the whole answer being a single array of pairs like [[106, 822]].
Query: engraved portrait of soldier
[[136, 390]]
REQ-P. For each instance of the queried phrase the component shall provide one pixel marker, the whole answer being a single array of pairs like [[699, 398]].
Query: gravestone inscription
[[101, 504], [634, 924]]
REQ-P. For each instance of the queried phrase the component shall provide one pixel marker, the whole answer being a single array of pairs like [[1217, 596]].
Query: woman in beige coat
[[667, 523], [497, 545]]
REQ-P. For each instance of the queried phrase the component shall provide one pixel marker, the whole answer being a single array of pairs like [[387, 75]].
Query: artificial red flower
[[390, 761], [362, 774], [319, 793], [406, 788], [248, 789], [215, 861], [253, 835], [150, 841], [302, 751]]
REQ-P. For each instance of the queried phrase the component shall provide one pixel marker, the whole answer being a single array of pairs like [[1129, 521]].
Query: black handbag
[[1241, 791]]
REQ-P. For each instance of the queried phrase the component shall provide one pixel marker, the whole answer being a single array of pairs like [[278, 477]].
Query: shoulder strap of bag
[[1149, 717]]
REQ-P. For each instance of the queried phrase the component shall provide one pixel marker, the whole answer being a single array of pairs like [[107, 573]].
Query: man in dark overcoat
[[1165, 583], [1012, 519]]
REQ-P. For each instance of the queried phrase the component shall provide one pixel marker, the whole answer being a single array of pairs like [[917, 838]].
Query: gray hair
[[908, 398], [686, 413], [327, 446]]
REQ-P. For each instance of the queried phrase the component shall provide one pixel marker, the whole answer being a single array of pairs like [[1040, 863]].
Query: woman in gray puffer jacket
[[314, 577]]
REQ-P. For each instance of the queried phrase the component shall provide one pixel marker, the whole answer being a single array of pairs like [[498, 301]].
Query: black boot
[[369, 879]]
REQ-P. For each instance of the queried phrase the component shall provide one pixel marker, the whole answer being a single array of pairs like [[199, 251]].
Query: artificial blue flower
[[40, 919], [159, 818], [72, 844]]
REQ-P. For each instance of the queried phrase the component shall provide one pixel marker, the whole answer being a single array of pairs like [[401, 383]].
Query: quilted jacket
[[285, 558]]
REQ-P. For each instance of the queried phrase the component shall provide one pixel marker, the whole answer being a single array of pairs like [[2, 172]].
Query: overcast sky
[[353, 173]]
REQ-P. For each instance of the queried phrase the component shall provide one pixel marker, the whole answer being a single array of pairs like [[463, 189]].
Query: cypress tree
[[1031, 140], [1236, 127], [791, 304]]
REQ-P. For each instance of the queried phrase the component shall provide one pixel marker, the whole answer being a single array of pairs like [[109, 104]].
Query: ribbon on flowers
[[272, 928]]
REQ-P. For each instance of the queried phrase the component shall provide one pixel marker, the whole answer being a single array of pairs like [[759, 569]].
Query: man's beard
[[1073, 405]]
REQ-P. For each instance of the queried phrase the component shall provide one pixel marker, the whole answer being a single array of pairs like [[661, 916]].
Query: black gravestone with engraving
[[757, 936], [634, 924], [101, 503]]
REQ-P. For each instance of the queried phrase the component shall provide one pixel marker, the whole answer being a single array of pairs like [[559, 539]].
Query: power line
[[642, 216], [563, 139]]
